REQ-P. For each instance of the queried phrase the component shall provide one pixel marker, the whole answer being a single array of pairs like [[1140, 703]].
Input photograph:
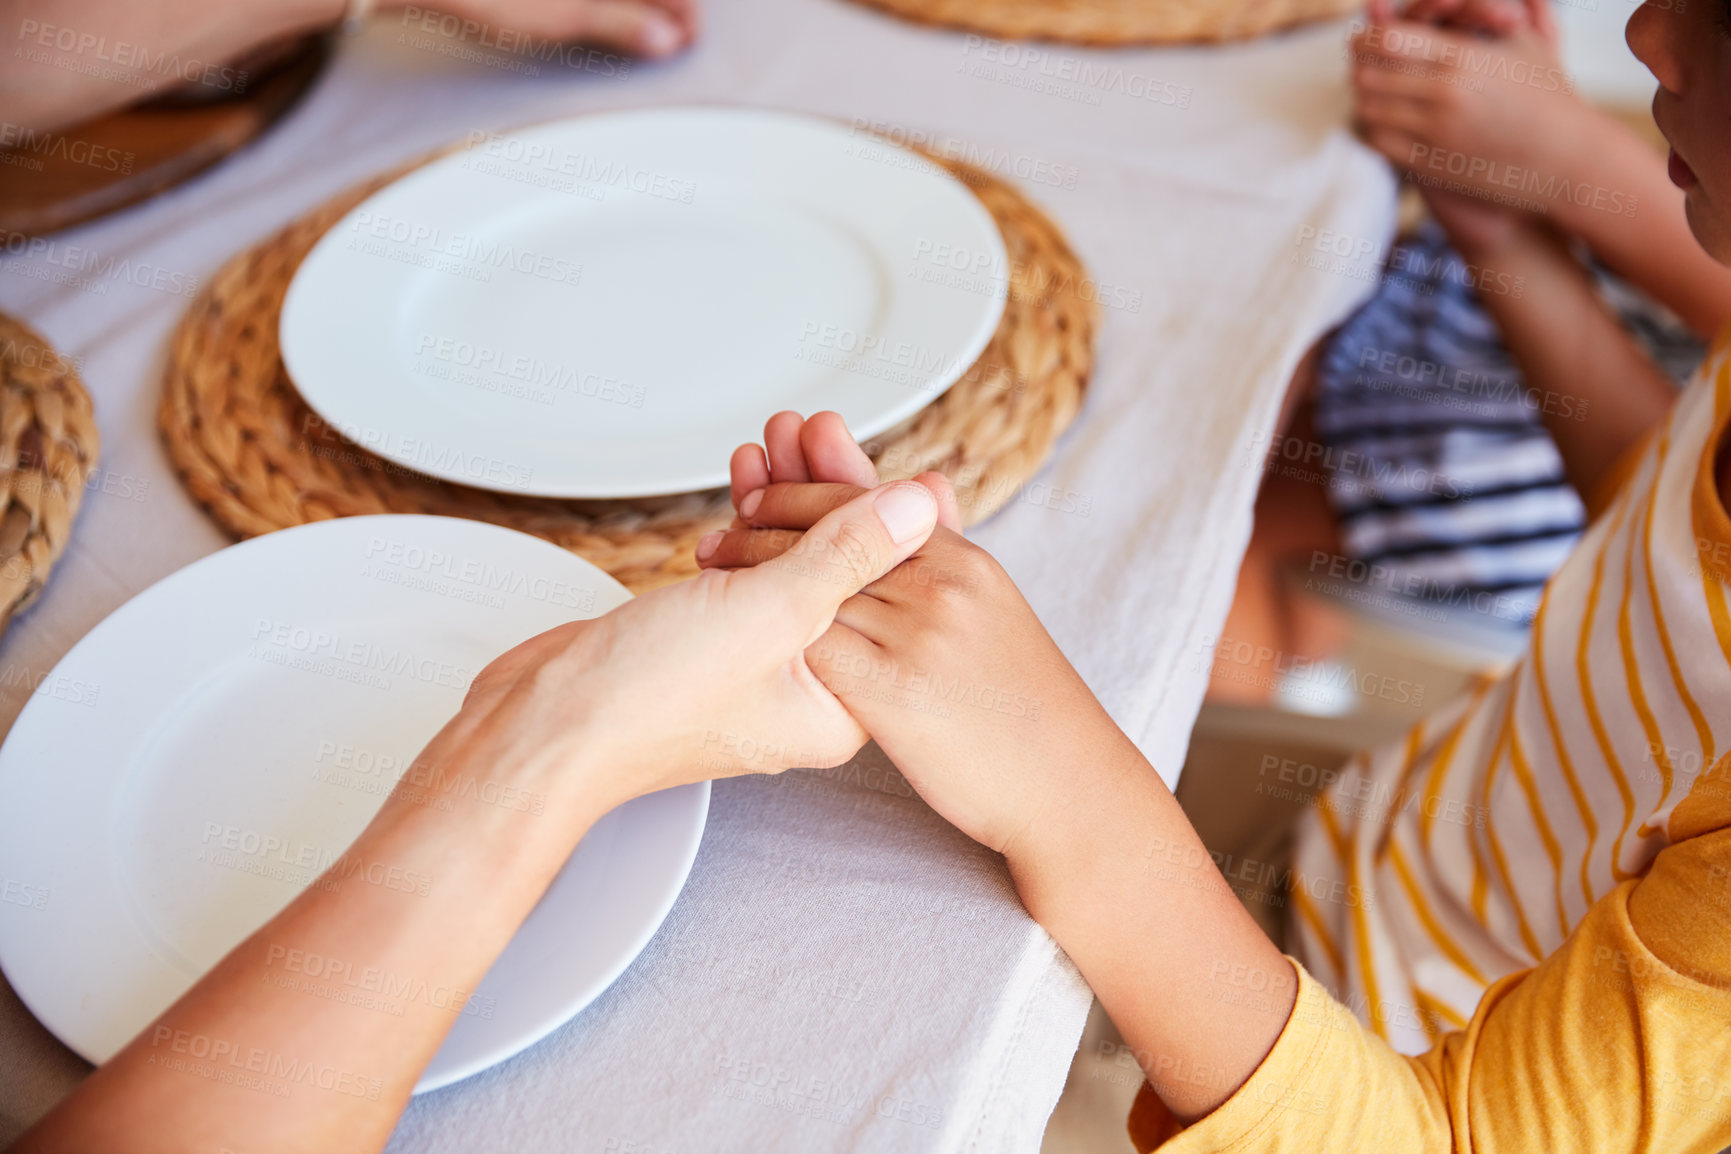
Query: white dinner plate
[[194, 762], [607, 306]]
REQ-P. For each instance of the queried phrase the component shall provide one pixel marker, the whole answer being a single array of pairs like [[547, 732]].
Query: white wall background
[[1596, 54]]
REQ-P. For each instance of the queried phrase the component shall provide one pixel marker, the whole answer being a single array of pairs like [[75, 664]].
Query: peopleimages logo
[[509, 42], [279, 641], [529, 371], [1480, 170], [886, 143], [987, 273], [580, 166], [88, 270], [1491, 62], [88, 53], [27, 148], [480, 572], [423, 455], [485, 254], [252, 1067], [1322, 461], [1089, 78]]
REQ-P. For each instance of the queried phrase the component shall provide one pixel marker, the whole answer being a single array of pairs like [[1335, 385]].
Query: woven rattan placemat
[[48, 447], [1117, 22], [258, 459]]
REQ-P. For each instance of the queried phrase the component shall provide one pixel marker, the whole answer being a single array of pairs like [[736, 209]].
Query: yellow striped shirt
[[1532, 892], [1481, 841]]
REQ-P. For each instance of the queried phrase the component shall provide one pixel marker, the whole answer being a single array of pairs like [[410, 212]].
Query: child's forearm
[[1593, 387], [1100, 852], [1621, 203], [1118, 876]]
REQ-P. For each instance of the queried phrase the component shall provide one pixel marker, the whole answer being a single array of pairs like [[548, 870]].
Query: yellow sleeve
[[1619, 1041]]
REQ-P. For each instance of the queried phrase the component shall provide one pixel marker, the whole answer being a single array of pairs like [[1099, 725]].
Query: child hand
[[943, 661], [821, 449], [1490, 17], [1477, 229], [1491, 117]]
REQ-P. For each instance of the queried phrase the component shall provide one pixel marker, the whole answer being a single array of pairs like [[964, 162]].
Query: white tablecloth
[[843, 970]]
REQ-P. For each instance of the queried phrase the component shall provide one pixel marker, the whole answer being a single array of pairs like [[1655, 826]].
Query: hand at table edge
[[1098, 848], [39, 93]]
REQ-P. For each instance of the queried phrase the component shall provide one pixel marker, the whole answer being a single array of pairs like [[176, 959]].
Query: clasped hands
[[1469, 99], [834, 610]]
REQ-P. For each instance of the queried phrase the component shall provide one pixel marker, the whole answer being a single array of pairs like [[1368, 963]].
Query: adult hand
[[40, 90], [635, 27], [586, 715], [1491, 17], [703, 679]]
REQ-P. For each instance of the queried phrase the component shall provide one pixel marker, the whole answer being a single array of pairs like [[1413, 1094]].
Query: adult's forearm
[[71, 60], [311, 1034], [1118, 876], [1593, 387], [1624, 206]]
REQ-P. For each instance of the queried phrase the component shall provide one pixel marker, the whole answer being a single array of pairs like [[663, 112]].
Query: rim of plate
[[328, 394]]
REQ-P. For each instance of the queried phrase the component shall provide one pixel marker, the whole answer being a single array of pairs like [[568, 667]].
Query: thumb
[[848, 549]]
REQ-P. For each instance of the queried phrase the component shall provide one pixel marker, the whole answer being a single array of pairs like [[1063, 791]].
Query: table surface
[[843, 971]]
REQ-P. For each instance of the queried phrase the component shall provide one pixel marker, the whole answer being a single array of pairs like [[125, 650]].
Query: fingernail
[[906, 511], [749, 503], [660, 34], [708, 543]]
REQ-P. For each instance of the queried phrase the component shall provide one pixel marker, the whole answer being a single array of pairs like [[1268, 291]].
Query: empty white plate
[[199, 756], [607, 306]]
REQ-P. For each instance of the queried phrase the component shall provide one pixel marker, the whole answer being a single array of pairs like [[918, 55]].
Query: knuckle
[[480, 687], [955, 575], [978, 567], [541, 683], [856, 549], [490, 673]]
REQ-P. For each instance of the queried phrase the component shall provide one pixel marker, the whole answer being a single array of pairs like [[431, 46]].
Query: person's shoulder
[[1717, 354], [1722, 472]]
